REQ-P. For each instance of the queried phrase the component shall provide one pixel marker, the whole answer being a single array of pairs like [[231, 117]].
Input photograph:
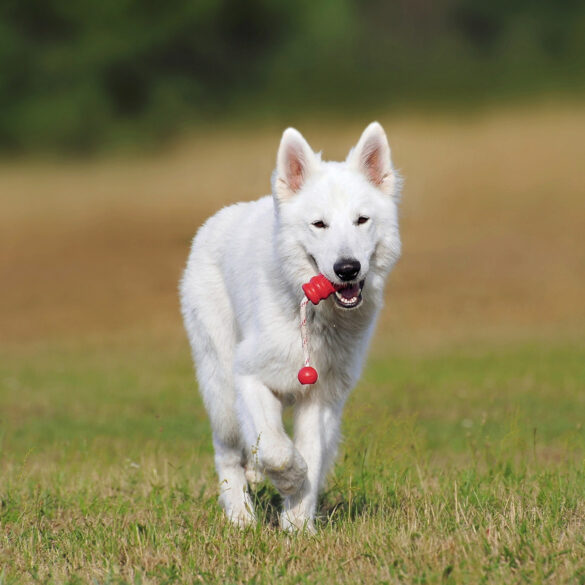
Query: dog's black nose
[[347, 268]]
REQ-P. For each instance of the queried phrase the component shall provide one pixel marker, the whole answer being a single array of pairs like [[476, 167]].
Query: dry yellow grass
[[458, 466], [493, 221]]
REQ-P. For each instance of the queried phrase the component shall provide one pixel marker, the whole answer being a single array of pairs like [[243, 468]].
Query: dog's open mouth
[[349, 295]]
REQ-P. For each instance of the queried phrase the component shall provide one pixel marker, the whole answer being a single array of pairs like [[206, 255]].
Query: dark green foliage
[[78, 75]]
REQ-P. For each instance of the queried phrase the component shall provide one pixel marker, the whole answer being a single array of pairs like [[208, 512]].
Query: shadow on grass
[[267, 504], [337, 505]]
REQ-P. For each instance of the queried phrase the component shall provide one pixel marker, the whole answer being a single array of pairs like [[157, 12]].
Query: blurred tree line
[[76, 76]]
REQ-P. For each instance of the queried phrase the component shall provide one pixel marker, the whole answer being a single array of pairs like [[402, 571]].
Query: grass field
[[463, 457]]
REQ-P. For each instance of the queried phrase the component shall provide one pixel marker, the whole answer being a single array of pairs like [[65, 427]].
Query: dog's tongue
[[349, 292]]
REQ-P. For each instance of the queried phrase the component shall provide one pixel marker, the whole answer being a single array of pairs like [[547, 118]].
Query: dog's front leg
[[260, 413], [317, 426]]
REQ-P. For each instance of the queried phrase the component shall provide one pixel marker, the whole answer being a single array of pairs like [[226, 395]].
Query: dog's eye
[[362, 219], [320, 224]]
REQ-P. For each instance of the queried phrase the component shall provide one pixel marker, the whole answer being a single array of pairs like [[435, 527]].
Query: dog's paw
[[242, 518], [287, 473], [290, 522], [238, 508]]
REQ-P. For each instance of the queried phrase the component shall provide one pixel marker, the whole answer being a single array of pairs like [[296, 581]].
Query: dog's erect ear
[[371, 156], [294, 163]]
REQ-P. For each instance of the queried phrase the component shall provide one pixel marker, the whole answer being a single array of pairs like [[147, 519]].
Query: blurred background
[[124, 124], [83, 76]]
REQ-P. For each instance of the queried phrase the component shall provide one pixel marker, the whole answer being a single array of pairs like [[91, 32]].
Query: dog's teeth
[[347, 301], [344, 301]]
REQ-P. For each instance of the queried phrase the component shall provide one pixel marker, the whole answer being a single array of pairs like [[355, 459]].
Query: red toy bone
[[317, 289]]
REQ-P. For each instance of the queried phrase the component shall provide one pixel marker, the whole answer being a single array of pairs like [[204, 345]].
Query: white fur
[[240, 297]]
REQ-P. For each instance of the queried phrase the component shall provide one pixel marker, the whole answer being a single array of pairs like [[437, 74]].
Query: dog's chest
[[335, 351]]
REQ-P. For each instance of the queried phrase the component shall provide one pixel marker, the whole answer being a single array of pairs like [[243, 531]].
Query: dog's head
[[338, 218]]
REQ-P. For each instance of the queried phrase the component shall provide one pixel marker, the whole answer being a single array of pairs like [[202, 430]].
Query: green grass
[[460, 467]]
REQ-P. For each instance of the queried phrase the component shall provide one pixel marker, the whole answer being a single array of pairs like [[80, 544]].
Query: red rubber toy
[[307, 375], [318, 288]]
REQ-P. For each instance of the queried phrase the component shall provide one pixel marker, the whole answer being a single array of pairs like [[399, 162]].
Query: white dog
[[240, 297]]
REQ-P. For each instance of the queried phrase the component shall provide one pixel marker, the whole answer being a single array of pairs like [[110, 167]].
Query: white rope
[[304, 332]]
